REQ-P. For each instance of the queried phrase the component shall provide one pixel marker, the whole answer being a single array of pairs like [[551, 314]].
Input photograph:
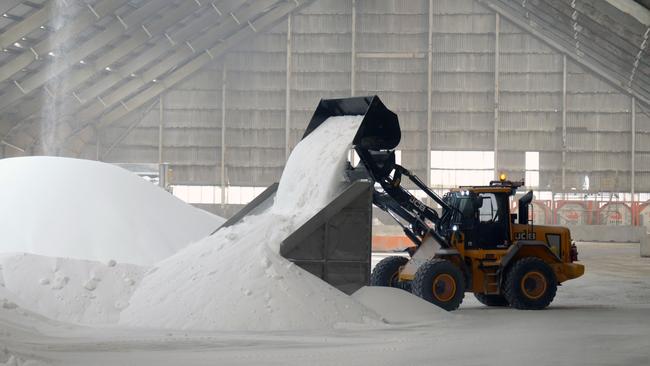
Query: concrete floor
[[603, 318]]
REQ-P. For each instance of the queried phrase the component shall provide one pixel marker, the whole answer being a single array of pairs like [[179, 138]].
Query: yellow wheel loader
[[478, 246], [472, 243]]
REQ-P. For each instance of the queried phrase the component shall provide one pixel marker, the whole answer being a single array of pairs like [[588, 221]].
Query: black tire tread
[[385, 268], [511, 285], [431, 266]]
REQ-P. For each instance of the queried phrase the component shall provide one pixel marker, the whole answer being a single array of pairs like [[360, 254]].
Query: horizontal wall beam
[[390, 55]]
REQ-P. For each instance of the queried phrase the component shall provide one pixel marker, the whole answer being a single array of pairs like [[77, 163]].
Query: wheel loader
[[471, 243]]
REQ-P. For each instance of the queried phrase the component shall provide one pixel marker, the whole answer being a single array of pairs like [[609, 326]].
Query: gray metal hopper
[[335, 244]]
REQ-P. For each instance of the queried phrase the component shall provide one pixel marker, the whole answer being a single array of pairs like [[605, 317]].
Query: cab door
[[493, 226]]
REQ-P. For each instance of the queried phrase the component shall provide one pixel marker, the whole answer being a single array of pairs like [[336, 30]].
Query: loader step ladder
[[490, 269]]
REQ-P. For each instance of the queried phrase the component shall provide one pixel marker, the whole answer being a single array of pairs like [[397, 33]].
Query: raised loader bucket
[[379, 129], [335, 244]]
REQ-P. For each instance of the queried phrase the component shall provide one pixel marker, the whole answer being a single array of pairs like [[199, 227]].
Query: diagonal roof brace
[[181, 54], [595, 67], [616, 38], [92, 10], [24, 27], [26, 109], [214, 6], [112, 32], [82, 21], [637, 58], [584, 44], [264, 22], [6, 5]]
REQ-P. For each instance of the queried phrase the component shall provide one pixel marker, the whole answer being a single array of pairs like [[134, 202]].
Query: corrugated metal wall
[[391, 43]]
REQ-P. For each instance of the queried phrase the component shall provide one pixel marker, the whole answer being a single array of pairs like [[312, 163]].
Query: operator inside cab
[[486, 218], [493, 221]]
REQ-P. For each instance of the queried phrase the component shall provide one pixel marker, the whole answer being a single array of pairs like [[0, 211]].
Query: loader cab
[[492, 229], [484, 214]]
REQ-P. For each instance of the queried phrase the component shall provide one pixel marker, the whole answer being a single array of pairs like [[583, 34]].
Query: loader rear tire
[[386, 272], [530, 284], [491, 300], [441, 283]]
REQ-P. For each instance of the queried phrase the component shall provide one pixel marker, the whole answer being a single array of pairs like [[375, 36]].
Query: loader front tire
[[530, 284], [386, 272], [441, 283]]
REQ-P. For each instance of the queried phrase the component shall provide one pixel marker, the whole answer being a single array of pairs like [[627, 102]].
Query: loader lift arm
[[397, 201]]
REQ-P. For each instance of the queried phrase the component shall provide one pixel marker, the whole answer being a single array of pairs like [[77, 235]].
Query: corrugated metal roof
[[596, 33], [105, 58]]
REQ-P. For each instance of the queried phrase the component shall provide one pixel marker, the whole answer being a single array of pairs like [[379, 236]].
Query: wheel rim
[[444, 287], [533, 285]]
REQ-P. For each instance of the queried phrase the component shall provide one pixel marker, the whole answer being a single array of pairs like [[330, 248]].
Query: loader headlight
[[454, 228]]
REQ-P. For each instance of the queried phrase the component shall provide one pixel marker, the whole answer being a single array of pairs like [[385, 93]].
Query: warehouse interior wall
[[234, 122]]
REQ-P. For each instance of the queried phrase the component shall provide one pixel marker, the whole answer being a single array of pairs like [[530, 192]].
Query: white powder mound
[[65, 289], [236, 280], [85, 209], [398, 306]]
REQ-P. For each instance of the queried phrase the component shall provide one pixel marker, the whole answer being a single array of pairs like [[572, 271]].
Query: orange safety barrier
[[390, 243]]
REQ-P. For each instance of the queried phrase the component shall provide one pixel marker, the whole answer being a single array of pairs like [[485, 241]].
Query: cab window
[[466, 207], [488, 210]]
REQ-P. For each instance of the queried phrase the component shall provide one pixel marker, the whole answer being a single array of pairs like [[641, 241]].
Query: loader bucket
[[379, 129]]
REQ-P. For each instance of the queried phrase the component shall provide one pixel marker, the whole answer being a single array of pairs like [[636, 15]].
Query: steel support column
[[353, 50], [223, 134], [429, 93], [496, 96], [98, 146], [633, 152], [287, 106], [161, 122], [564, 142]]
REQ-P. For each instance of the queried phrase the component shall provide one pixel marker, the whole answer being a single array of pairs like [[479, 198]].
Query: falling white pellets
[[236, 280]]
